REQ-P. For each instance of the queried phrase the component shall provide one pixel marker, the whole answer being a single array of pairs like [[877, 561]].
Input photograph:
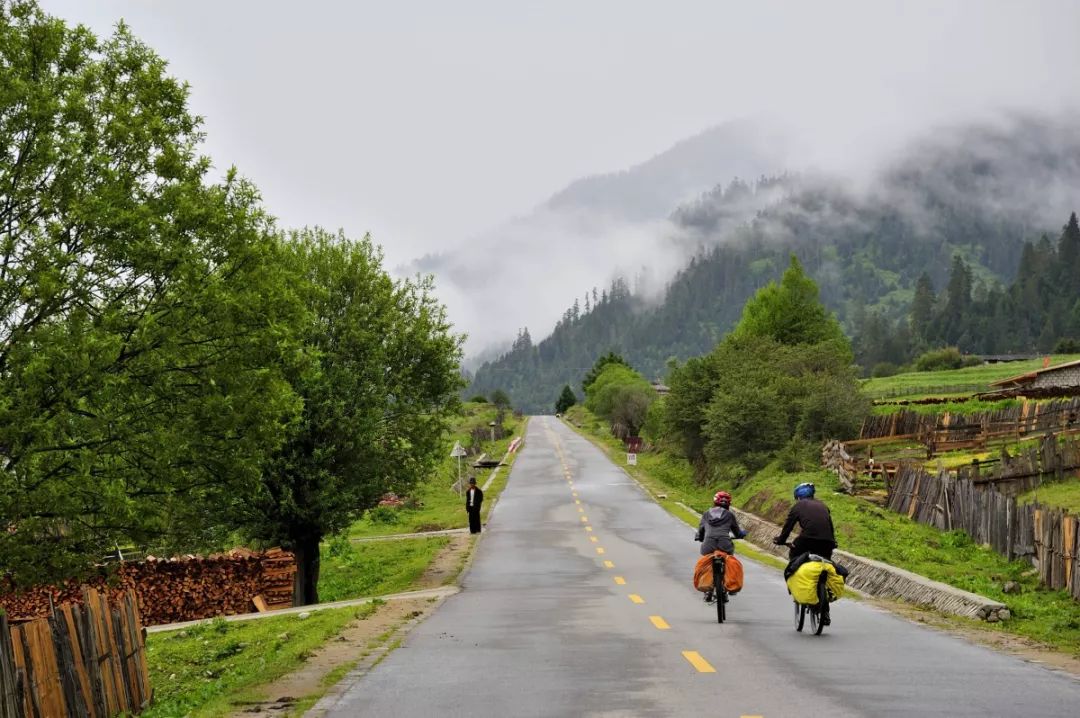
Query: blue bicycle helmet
[[804, 491]]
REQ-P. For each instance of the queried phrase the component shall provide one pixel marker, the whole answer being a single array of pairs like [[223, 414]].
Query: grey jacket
[[715, 530]]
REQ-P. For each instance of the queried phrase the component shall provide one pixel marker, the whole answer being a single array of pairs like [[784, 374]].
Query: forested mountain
[[981, 196]]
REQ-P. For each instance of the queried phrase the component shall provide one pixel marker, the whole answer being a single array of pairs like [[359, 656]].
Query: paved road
[[586, 609]]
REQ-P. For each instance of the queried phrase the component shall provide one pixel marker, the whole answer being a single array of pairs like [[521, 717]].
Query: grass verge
[[207, 669], [351, 570], [1049, 617]]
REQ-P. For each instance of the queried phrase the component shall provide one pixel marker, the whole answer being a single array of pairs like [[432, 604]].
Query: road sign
[[631, 459], [458, 451]]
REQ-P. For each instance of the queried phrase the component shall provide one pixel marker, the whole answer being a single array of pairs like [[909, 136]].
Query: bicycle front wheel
[[800, 616]]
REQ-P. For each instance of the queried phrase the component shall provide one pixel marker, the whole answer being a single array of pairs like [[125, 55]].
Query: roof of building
[[1030, 376]]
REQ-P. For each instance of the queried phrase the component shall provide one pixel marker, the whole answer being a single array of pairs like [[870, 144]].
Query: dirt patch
[[767, 506], [1019, 646], [360, 637], [448, 563]]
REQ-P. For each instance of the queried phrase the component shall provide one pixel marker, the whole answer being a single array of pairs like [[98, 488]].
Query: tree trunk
[[306, 584]]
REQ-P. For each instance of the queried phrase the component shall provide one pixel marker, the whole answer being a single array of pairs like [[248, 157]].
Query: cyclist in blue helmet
[[815, 523]]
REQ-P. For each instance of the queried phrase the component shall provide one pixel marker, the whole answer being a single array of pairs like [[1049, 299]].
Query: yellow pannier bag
[[803, 583]]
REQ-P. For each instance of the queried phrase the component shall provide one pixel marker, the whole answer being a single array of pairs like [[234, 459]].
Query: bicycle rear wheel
[[719, 591], [820, 617]]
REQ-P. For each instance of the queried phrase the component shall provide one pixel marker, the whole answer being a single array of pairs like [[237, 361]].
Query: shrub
[[1067, 346], [479, 399], [883, 369], [939, 359], [383, 515]]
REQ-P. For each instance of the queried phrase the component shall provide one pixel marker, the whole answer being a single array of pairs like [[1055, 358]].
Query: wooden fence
[[1045, 535], [85, 660], [941, 432]]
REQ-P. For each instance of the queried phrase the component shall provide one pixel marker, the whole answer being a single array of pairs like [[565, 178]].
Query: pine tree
[[1069, 255], [922, 306], [566, 400], [957, 300]]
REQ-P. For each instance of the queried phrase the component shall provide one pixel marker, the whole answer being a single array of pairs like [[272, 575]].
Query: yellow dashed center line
[[599, 550], [580, 510], [698, 662], [608, 564], [573, 493], [636, 598], [584, 518], [593, 539], [659, 623], [620, 580], [588, 528], [577, 501]]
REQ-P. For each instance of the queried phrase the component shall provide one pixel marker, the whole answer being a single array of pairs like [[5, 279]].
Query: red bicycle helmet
[[722, 498]]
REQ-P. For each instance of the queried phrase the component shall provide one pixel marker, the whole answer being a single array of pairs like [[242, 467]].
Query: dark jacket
[[715, 529], [813, 518], [477, 499]]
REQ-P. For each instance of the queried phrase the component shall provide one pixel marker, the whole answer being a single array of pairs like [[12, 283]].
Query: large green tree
[[774, 380], [789, 312], [142, 309], [376, 399], [598, 367]]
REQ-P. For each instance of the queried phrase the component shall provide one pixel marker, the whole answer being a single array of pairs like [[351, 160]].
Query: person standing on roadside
[[474, 499]]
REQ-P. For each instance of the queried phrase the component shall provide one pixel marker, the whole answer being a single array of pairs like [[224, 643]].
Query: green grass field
[[969, 380], [1051, 617], [1065, 494], [354, 570], [205, 670], [952, 407]]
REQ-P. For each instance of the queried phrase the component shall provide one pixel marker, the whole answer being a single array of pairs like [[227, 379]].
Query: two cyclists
[[719, 525]]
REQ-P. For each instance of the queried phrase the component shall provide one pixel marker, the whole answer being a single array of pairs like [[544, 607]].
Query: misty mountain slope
[[979, 192], [649, 190], [588, 232]]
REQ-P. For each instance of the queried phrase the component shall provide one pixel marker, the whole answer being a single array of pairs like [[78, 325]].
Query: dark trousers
[[808, 545], [474, 521]]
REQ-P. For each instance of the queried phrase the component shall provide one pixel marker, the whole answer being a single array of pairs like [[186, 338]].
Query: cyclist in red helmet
[[716, 528], [718, 525]]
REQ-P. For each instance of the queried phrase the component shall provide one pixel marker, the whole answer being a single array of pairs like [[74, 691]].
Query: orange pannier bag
[[733, 573]]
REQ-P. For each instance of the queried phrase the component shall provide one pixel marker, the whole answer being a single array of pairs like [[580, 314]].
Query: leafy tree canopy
[[790, 312], [377, 399], [598, 367], [145, 319]]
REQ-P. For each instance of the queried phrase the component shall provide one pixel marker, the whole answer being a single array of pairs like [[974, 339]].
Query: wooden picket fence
[[85, 661], [1047, 536]]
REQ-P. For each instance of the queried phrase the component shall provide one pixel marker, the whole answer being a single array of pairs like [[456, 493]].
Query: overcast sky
[[425, 122]]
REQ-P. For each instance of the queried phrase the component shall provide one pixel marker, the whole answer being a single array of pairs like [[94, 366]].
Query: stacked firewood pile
[[185, 588], [834, 456]]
